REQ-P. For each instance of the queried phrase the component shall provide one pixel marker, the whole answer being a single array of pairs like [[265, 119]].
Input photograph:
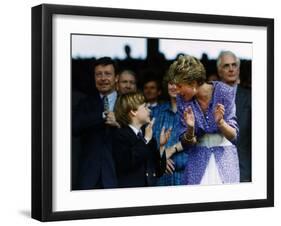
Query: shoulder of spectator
[[160, 108]]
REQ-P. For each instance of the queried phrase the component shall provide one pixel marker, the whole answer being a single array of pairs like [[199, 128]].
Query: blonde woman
[[208, 129]]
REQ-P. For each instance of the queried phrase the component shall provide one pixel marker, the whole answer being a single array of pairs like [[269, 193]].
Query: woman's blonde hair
[[126, 103], [187, 69]]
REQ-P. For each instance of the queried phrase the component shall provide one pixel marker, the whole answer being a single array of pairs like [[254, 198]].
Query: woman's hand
[[189, 117], [228, 131], [169, 152], [170, 166], [218, 114], [164, 136]]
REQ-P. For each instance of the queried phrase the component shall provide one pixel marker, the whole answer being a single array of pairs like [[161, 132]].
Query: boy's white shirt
[[136, 131]]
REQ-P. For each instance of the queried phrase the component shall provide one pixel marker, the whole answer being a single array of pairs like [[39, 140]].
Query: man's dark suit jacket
[[244, 143], [96, 166], [137, 164]]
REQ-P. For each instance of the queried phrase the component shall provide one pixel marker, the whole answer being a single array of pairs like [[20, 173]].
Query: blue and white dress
[[213, 159], [166, 117]]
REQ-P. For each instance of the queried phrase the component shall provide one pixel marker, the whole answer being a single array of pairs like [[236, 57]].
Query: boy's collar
[[136, 131]]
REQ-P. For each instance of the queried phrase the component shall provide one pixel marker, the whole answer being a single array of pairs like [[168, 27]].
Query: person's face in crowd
[[229, 70], [172, 90], [105, 78], [187, 91], [212, 77], [151, 92], [126, 83], [142, 114]]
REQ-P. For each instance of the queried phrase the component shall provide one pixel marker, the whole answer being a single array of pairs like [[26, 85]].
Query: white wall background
[[15, 113]]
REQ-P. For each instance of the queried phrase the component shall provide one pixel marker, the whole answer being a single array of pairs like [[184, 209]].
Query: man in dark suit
[[94, 121], [228, 66]]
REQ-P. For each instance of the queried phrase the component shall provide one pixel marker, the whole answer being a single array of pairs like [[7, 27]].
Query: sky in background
[[87, 46]]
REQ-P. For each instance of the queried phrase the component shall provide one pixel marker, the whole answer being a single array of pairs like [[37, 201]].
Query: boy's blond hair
[[126, 103]]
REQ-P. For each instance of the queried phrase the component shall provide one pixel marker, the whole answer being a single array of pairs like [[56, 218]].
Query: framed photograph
[[86, 61]]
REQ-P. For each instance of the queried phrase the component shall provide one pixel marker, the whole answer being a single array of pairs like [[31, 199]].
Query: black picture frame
[[42, 107]]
